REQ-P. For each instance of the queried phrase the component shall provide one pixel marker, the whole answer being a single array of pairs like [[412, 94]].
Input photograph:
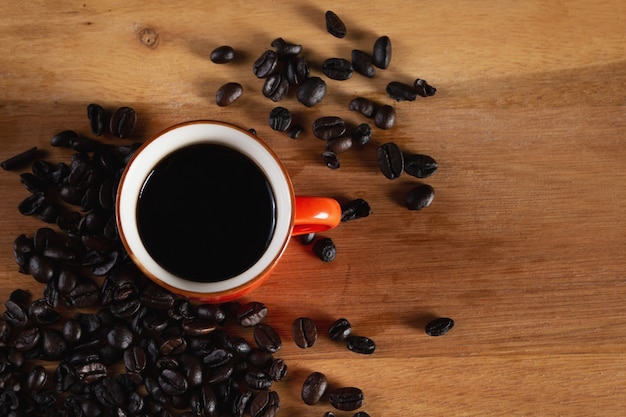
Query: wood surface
[[524, 244]]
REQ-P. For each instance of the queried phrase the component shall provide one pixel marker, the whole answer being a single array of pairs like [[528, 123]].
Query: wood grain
[[524, 244]]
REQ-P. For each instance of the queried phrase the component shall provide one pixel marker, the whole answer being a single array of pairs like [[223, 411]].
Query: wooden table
[[524, 244]]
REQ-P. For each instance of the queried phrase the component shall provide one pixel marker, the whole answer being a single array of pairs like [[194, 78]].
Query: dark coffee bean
[[296, 69], [385, 117], [228, 93], [381, 55], [265, 64], [20, 159], [251, 314], [329, 127], [198, 327], [173, 382], [240, 403], [334, 25], [217, 357], [266, 338], [329, 414], [311, 91], [283, 47], [85, 294], [355, 209], [360, 344], [36, 378], [390, 160], [362, 134], [363, 105], [307, 239], [278, 369], [173, 345], [280, 119], [135, 359], [27, 339], [295, 131], [5, 332], [265, 403], [346, 398], [420, 166], [340, 329], [401, 92], [313, 388], [211, 312], [42, 269], [96, 115], [361, 414], [41, 312], [50, 213], [362, 63], [331, 159], [33, 184], [339, 145], [260, 358], [64, 138], [123, 122], [325, 249], [337, 68], [423, 88], [419, 197], [304, 332], [275, 87], [120, 336], [109, 392], [53, 344], [439, 326], [32, 204], [257, 379], [72, 331], [223, 54]]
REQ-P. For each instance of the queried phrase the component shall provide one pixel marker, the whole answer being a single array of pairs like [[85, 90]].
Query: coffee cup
[[206, 209]]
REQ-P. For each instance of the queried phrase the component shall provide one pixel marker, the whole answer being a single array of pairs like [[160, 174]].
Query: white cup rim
[[188, 134]]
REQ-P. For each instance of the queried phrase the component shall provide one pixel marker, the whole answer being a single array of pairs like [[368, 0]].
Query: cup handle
[[315, 214]]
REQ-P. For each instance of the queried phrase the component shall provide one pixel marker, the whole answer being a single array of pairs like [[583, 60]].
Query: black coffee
[[206, 212]]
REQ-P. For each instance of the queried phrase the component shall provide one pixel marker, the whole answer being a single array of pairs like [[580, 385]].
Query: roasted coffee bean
[[53, 344], [283, 47], [355, 209], [228, 93], [420, 166], [257, 379], [222, 54], [419, 197], [340, 329], [5, 332], [346, 398], [266, 338], [72, 331], [295, 131], [304, 332], [120, 336], [265, 64], [401, 92], [363, 105], [240, 403], [109, 392], [173, 382], [311, 91], [325, 249], [135, 359], [385, 117], [362, 63], [329, 127], [96, 115], [361, 414], [27, 339], [390, 160], [307, 238], [439, 326], [296, 69], [313, 388], [41, 312], [381, 56], [50, 213], [211, 312], [423, 88], [33, 184], [15, 314], [278, 369], [217, 357], [275, 87], [260, 358], [334, 25], [331, 159], [337, 69], [64, 138], [280, 119], [265, 403], [36, 378], [329, 414], [339, 145], [360, 344], [20, 159], [362, 134], [123, 122], [251, 314], [32, 204]]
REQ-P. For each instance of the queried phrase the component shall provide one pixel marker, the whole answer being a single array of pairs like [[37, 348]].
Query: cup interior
[[188, 134]]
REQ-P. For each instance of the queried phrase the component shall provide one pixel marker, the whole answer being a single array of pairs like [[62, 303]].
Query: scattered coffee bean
[[401, 92], [337, 69], [283, 47], [420, 166], [339, 145], [275, 87], [64, 138], [96, 116], [20, 159], [361, 414], [265, 64], [334, 25], [223, 54], [295, 131], [311, 91], [278, 369], [280, 119], [423, 88], [296, 69], [362, 134], [267, 338], [355, 209], [420, 197], [361, 344], [390, 160], [329, 127], [313, 388], [346, 398], [251, 314], [325, 249], [363, 105], [228, 93], [340, 329], [123, 122], [331, 159], [439, 326], [304, 332], [362, 63], [381, 56], [385, 117]]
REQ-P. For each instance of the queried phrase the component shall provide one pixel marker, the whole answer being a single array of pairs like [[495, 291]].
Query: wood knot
[[148, 37]]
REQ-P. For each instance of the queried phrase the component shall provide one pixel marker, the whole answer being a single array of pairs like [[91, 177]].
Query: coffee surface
[[206, 213]]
